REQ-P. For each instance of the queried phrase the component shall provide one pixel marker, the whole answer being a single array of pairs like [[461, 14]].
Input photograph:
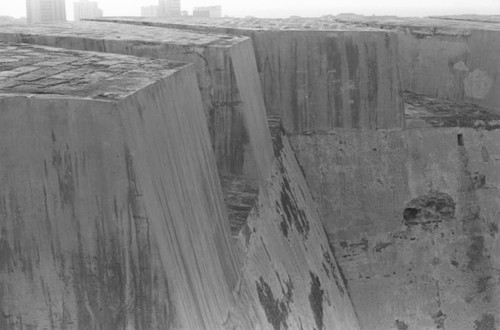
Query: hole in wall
[[410, 213], [433, 207], [460, 139]]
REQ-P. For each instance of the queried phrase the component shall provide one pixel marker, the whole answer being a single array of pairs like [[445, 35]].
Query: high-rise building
[[169, 8], [45, 11], [210, 11], [86, 9], [149, 11]]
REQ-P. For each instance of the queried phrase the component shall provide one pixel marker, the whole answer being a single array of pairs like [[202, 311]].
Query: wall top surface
[[110, 31], [36, 70], [442, 25], [472, 18], [251, 23]]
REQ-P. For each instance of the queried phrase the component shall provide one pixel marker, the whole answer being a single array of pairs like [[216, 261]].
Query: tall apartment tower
[[45, 11], [86, 9], [169, 8]]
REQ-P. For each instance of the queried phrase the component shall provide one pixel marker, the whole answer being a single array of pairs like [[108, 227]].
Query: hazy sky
[[285, 8]]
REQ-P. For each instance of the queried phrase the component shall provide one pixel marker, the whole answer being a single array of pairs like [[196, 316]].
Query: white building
[[45, 11], [169, 8], [86, 9]]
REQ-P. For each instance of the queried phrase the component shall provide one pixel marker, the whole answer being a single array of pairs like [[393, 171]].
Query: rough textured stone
[[31, 70]]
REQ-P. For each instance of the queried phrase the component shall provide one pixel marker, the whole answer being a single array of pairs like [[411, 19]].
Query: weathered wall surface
[[462, 66], [446, 58], [124, 224], [112, 213], [413, 218], [319, 79], [232, 100], [288, 265]]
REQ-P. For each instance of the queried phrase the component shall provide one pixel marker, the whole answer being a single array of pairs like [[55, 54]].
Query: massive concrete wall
[[413, 217], [446, 58], [112, 212], [317, 77], [232, 99]]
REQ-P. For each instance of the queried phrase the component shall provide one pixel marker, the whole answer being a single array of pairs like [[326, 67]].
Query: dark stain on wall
[[275, 309], [334, 67], [381, 246], [62, 162], [333, 272], [475, 253], [283, 225], [294, 102], [487, 322], [6, 256], [482, 284], [371, 54], [291, 213], [478, 180], [316, 300], [278, 141], [363, 244], [439, 319], [5, 323], [400, 325], [352, 54], [493, 229]]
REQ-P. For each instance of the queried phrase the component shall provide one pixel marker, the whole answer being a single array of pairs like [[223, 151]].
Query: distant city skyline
[[285, 8]]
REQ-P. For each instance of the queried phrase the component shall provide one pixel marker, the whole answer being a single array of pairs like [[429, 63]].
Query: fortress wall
[[111, 208], [413, 219], [320, 77], [232, 106], [289, 269]]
